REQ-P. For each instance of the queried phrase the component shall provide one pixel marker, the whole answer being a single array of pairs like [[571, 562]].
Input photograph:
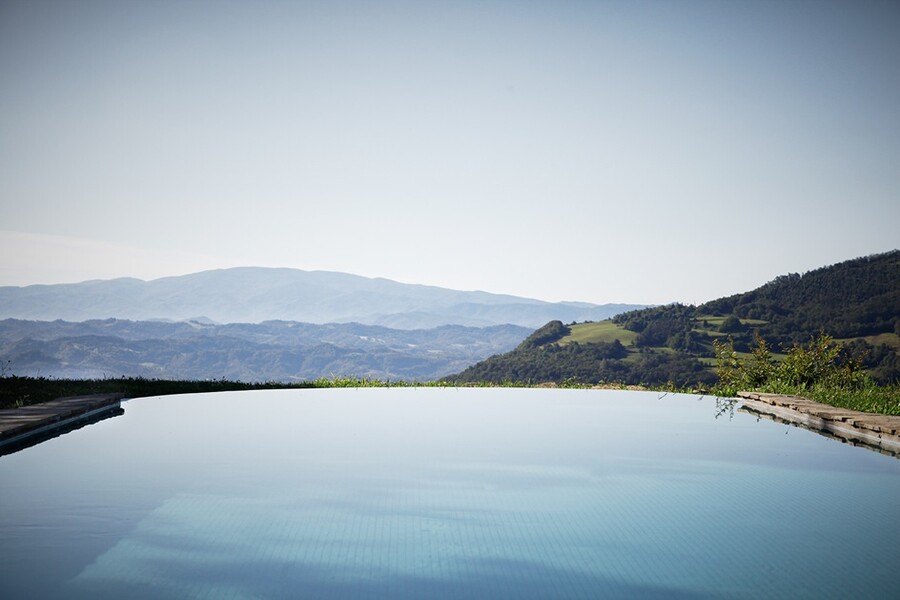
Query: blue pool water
[[446, 493]]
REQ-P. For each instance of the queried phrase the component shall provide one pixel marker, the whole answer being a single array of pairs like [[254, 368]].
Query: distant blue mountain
[[269, 351], [256, 294]]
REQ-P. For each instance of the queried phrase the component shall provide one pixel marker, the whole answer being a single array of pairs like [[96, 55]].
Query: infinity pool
[[446, 493]]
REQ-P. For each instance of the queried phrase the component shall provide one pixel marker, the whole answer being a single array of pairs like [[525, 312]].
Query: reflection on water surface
[[445, 493]]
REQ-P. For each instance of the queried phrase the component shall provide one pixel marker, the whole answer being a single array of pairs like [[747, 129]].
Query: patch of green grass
[[709, 325], [716, 321], [709, 320], [602, 331], [865, 396], [888, 339]]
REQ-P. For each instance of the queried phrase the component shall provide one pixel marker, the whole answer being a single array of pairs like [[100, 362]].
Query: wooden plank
[[860, 428], [17, 425]]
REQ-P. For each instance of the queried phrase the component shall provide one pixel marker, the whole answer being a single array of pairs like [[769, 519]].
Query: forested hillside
[[855, 299], [857, 302]]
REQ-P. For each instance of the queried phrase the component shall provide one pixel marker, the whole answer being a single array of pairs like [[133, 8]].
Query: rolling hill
[[273, 351], [857, 302]]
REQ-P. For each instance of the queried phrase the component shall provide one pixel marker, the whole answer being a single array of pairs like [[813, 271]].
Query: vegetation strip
[[676, 346], [880, 431]]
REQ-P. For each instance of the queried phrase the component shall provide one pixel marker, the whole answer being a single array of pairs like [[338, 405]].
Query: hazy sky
[[597, 151]]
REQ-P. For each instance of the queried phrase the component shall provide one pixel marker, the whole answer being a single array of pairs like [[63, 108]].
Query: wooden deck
[[879, 432], [28, 425]]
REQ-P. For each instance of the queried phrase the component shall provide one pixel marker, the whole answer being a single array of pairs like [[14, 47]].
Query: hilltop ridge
[[856, 301], [257, 294]]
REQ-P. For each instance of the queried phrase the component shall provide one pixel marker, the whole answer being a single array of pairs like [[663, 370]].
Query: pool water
[[446, 493]]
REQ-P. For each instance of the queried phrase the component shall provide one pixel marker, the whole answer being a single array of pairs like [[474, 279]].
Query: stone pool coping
[[876, 431], [27, 425]]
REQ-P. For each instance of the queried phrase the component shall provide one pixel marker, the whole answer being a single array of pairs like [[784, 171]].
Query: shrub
[[819, 362], [819, 370]]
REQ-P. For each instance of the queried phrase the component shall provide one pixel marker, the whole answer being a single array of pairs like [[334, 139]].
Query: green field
[[603, 331], [708, 325], [716, 321], [889, 339], [607, 331]]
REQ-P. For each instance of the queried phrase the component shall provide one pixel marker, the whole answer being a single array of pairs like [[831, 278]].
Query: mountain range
[[255, 294], [277, 351], [259, 324], [255, 324]]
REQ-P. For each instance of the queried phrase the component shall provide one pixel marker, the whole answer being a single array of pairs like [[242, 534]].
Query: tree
[[731, 325]]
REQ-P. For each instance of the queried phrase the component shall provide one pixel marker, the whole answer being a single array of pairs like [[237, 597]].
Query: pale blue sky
[[596, 151]]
